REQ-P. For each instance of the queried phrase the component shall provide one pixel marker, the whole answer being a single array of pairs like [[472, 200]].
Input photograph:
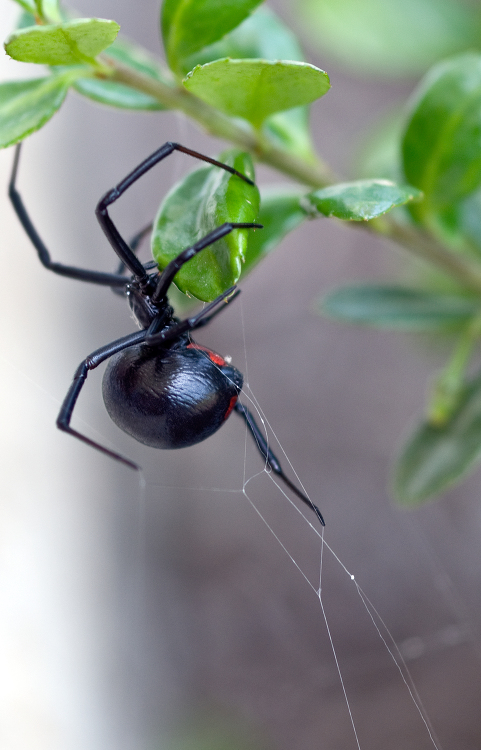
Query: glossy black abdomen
[[170, 398]]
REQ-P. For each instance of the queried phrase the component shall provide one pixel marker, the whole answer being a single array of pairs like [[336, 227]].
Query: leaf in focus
[[189, 25], [441, 152], [361, 200], [398, 308], [280, 213], [120, 95], [390, 37], [70, 43], [255, 89], [25, 106], [434, 458], [263, 35], [203, 201]]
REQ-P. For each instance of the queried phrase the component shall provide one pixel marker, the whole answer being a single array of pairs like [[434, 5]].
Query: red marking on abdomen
[[230, 407], [215, 358]]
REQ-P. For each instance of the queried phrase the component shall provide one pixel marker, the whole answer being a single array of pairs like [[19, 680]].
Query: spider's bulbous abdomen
[[170, 398]]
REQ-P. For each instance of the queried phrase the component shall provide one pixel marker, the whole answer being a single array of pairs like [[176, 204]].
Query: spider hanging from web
[[160, 387]]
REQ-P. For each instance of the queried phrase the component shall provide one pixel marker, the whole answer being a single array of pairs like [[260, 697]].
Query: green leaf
[[280, 213], [25, 106], [264, 35], [189, 25], [390, 37], [435, 458], [441, 151], [204, 200], [398, 308], [77, 41], [117, 94], [255, 89], [361, 200]]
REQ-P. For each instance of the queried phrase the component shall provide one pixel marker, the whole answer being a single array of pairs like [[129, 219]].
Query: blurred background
[[163, 614]]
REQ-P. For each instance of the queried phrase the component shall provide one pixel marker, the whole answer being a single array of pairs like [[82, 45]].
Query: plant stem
[[425, 247], [315, 174], [174, 96]]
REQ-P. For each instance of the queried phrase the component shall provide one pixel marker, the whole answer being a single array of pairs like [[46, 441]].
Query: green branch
[[315, 174], [216, 123]]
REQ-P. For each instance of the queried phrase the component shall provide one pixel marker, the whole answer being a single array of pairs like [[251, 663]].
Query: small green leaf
[[25, 106], [119, 95], [398, 308], [77, 41], [280, 213], [435, 458], [255, 89], [441, 151], [361, 200], [264, 35], [204, 200], [189, 25], [390, 37]]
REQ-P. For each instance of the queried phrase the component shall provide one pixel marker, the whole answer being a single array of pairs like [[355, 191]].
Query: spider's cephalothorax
[[159, 387]]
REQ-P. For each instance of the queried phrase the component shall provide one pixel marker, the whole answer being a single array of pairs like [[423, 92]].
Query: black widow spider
[[160, 387]]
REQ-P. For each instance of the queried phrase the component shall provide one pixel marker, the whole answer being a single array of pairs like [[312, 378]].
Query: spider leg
[[81, 274], [122, 249], [89, 363], [171, 269], [189, 324], [270, 458], [134, 243]]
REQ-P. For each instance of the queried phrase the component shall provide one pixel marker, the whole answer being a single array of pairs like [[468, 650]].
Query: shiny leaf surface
[[256, 89], [361, 200], [189, 25], [203, 201], [264, 35]]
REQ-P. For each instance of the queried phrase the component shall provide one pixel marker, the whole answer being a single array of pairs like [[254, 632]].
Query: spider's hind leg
[[271, 459], [89, 363]]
